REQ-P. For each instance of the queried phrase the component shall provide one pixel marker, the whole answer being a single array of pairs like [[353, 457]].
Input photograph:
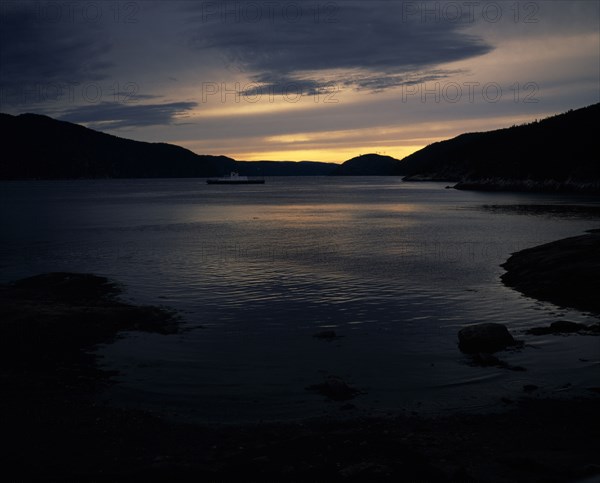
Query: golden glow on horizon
[[339, 146], [360, 122], [335, 155], [273, 128]]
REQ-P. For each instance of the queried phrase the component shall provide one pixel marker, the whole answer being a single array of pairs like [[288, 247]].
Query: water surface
[[394, 268]]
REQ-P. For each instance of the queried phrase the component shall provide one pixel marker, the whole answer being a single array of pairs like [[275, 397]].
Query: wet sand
[[57, 429]]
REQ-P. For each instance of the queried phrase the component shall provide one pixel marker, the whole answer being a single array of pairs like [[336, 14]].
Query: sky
[[299, 79]]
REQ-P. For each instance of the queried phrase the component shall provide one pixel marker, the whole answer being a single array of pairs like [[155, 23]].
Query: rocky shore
[[529, 185], [57, 430], [564, 272]]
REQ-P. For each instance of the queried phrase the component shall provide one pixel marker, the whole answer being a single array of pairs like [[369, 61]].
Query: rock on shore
[[486, 338], [49, 321], [565, 272]]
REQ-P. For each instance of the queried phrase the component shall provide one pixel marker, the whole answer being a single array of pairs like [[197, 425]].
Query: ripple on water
[[396, 269]]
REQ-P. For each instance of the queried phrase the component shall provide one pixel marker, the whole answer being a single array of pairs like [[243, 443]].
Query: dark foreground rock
[[565, 272], [565, 327], [328, 335], [54, 428], [50, 321], [486, 338]]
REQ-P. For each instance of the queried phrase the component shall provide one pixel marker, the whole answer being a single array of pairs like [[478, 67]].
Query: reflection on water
[[394, 268]]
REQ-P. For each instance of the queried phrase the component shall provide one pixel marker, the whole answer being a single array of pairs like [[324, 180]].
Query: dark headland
[[39, 147], [57, 429], [559, 153], [63, 150]]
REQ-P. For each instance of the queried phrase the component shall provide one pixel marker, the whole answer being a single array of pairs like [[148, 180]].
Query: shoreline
[[565, 272], [507, 184], [58, 429], [529, 185]]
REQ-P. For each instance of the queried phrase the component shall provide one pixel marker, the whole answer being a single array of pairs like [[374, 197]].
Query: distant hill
[[44, 148], [557, 153], [560, 152], [369, 165], [284, 168]]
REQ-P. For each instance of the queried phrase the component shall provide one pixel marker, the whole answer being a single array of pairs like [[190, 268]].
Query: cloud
[[37, 46], [114, 115], [285, 86], [379, 43], [294, 87], [377, 83]]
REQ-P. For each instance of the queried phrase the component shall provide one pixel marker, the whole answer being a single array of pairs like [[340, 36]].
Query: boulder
[[559, 327], [487, 338]]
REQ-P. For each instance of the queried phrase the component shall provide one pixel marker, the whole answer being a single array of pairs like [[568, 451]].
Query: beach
[[58, 428]]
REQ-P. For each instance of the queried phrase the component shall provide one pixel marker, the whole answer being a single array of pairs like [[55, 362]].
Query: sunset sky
[[299, 79]]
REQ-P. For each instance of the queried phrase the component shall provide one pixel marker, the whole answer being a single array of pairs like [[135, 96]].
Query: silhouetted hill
[[45, 148], [369, 165], [560, 152], [284, 168]]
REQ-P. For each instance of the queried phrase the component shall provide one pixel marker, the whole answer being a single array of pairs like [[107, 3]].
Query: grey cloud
[[285, 86], [374, 82], [378, 41], [378, 83], [114, 115], [36, 48]]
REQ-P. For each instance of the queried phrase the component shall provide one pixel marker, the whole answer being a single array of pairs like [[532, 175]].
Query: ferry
[[235, 178]]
